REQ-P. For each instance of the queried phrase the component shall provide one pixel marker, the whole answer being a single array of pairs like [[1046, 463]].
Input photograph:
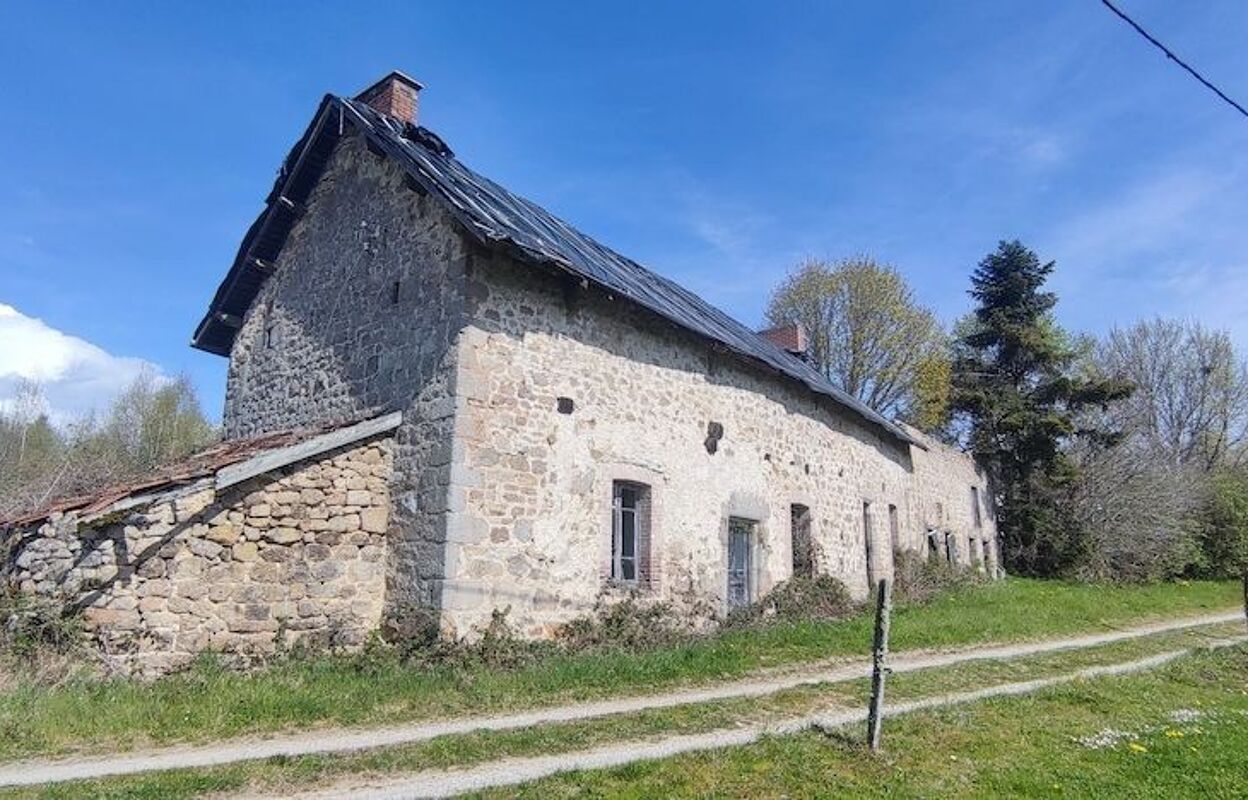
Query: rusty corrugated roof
[[171, 476]]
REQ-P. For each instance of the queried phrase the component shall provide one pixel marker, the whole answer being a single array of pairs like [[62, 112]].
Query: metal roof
[[494, 216]]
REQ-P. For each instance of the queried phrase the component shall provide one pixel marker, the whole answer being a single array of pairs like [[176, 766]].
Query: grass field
[[1179, 732], [210, 703], [289, 775]]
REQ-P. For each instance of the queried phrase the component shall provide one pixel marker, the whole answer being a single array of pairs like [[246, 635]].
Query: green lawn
[[1186, 727], [207, 703], [289, 775]]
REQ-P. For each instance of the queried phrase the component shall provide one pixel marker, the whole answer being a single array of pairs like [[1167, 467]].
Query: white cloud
[[74, 375]]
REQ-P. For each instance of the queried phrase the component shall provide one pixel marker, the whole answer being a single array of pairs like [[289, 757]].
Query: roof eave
[[213, 336]]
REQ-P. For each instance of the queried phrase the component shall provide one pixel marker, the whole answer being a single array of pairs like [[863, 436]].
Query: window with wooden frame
[[630, 533]]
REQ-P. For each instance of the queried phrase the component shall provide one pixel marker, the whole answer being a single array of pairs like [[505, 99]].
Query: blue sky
[[717, 143]]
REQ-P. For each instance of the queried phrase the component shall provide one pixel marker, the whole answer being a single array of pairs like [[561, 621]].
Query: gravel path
[[509, 772], [26, 773]]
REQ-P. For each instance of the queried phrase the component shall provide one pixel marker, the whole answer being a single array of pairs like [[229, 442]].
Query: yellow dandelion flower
[[1137, 747]]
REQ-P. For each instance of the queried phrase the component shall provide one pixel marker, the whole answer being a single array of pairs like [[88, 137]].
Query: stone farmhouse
[[441, 395]]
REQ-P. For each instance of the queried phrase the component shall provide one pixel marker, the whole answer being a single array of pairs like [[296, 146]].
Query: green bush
[[1224, 526]]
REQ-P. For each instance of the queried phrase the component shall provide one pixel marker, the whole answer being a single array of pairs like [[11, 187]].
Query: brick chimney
[[394, 96], [791, 337]]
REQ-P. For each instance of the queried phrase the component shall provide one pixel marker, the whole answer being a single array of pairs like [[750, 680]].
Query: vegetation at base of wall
[[920, 580], [821, 598], [628, 625], [1176, 732], [40, 642], [302, 773], [210, 702]]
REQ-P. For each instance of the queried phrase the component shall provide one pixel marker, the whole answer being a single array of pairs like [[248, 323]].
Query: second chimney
[[394, 95], [791, 337]]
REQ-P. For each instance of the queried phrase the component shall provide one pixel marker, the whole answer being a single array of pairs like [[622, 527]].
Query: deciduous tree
[[868, 335]]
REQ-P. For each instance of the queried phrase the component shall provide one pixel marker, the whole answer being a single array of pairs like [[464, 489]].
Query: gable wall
[[343, 349]]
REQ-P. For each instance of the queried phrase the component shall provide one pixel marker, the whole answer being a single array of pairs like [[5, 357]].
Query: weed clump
[[919, 580], [624, 625], [821, 598], [39, 639]]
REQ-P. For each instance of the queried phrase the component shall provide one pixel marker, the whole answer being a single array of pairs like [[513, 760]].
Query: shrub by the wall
[[917, 579], [822, 597]]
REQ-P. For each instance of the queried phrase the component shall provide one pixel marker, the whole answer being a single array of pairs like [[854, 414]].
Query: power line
[[1170, 55]]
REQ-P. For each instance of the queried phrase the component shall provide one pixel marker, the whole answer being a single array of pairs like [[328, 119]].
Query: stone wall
[[944, 478], [380, 302], [358, 318], [294, 553], [531, 487]]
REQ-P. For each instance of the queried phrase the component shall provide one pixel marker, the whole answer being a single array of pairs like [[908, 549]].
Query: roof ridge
[[494, 214]]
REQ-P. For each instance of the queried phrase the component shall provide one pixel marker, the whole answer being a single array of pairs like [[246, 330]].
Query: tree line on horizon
[[1123, 457], [150, 423]]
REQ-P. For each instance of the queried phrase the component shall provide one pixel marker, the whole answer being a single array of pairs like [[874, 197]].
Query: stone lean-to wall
[[531, 487], [294, 553], [943, 479], [359, 317]]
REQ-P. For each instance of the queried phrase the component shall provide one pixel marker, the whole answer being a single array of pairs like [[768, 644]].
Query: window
[[803, 547], [894, 528], [976, 514], [270, 325], [396, 292], [934, 544], [740, 561], [951, 547], [866, 538], [630, 532]]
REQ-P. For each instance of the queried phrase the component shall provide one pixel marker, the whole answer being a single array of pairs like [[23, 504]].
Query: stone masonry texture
[[299, 552], [360, 318], [529, 525]]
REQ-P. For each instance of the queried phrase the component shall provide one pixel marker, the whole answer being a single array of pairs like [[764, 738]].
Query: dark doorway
[[803, 547]]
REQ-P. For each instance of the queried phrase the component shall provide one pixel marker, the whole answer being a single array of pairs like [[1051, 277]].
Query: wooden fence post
[[879, 658]]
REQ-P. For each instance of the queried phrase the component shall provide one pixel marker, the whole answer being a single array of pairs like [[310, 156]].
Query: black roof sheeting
[[494, 216]]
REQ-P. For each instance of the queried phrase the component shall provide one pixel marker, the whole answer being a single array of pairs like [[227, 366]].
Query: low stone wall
[[297, 552]]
